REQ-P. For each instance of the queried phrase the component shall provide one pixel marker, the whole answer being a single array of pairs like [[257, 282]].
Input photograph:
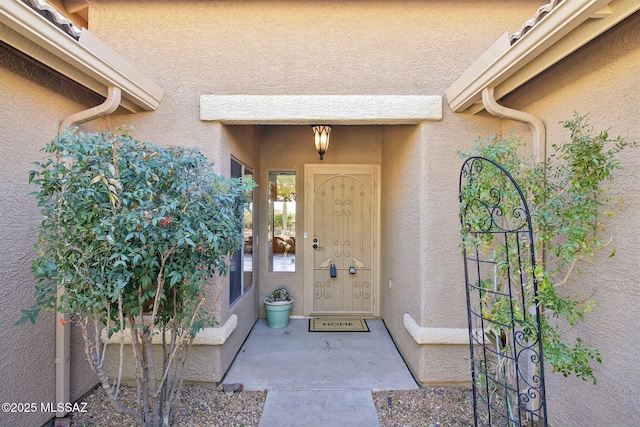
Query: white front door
[[342, 206]]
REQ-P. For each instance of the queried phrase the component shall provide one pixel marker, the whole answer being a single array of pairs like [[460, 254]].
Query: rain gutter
[[88, 61], [84, 58], [505, 67]]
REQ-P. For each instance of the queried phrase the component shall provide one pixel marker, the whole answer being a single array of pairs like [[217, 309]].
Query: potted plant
[[278, 308]]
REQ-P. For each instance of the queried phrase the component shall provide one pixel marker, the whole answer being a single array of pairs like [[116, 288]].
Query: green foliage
[[567, 198], [119, 215], [131, 228], [277, 219], [280, 294], [286, 187]]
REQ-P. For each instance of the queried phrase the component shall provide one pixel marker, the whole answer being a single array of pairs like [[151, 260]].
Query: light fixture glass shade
[[321, 138]]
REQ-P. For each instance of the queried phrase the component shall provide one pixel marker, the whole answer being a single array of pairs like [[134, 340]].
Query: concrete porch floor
[[319, 378]]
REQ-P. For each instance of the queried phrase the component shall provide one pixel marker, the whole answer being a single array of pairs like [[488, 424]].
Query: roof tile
[[529, 24], [53, 16]]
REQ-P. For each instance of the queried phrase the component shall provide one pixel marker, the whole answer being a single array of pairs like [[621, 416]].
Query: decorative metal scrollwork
[[357, 290], [342, 207], [347, 244], [317, 290], [507, 366], [338, 245], [366, 290], [327, 290]]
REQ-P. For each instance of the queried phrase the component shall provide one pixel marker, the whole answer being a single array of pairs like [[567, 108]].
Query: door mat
[[334, 324]]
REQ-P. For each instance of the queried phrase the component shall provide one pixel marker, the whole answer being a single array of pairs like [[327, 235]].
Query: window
[[241, 269], [282, 221]]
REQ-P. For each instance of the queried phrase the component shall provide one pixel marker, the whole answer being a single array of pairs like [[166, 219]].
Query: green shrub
[[133, 233], [567, 198]]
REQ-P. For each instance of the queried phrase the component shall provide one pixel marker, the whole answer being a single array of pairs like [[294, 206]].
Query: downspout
[[114, 95], [538, 136], [63, 331], [538, 132]]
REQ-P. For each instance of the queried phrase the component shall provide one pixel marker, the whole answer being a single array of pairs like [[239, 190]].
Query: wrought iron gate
[[504, 320]]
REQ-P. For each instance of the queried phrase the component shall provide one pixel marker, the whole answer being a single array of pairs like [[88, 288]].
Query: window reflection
[[282, 221], [241, 263], [248, 237]]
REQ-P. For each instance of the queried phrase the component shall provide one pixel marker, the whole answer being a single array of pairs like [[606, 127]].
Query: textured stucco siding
[[603, 81], [327, 48], [421, 261], [32, 104], [194, 48]]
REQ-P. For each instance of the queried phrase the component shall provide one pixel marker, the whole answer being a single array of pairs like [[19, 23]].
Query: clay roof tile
[[53, 16], [529, 24]]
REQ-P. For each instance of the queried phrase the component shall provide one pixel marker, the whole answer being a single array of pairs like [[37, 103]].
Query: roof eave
[[87, 61], [564, 30]]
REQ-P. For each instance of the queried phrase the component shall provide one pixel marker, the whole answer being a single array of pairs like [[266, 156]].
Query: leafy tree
[[133, 233], [567, 198]]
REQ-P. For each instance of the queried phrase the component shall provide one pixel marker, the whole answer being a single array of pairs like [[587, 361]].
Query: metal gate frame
[[507, 365]]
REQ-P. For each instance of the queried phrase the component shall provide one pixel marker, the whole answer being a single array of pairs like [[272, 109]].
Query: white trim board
[[88, 61], [320, 109], [563, 31], [208, 336], [435, 336]]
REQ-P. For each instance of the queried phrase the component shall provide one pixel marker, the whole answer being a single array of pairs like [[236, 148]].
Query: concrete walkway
[[319, 378]]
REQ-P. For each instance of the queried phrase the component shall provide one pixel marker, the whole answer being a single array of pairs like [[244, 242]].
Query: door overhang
[[314, 109]]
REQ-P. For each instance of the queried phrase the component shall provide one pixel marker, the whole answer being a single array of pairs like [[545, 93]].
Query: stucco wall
[[421, 260], [32, 105], [603, 80], [289, 148], [401, 235], [302, 47], [191, 48], [241, 142]]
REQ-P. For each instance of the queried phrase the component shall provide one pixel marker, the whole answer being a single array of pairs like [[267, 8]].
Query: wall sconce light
[[321, 138]]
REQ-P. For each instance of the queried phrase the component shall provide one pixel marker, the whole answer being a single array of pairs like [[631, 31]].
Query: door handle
[[316, 244]]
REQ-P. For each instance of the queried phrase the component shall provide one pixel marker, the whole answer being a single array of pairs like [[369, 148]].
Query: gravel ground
[[200, 406], [426, 407]]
